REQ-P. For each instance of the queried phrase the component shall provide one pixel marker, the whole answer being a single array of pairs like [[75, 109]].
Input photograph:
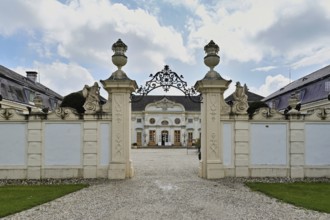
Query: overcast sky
[[261, 41]]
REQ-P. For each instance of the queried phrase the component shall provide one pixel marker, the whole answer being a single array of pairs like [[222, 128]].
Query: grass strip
[[17, 198], [315, 196]]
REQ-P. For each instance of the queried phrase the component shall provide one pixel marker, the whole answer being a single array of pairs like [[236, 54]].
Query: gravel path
[[166, 186]]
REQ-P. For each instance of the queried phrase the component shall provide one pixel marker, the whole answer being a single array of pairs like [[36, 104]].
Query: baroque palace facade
[[165, 121]]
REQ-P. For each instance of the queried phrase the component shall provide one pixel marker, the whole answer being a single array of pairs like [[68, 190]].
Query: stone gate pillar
[[212, 87], [119, 88]]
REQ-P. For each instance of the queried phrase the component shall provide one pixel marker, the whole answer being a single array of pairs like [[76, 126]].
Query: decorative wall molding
[[268, 114], [10, 114], [64, 113]]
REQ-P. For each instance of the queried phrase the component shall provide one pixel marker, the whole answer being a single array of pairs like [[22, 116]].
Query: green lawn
[[18, 198], [315, 196]]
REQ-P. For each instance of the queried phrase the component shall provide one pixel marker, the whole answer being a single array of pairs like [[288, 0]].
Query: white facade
[[165, 123]]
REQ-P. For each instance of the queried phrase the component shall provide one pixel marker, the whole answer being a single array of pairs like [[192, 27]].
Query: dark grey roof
[[311, 78], [15, 87], [252, 97], [185, 101], [309, 88]]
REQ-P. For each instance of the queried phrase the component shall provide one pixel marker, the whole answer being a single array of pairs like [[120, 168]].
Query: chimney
[[32, 75]]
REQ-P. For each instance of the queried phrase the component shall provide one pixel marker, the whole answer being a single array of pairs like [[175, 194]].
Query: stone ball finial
[[211, 59], [119, 59]]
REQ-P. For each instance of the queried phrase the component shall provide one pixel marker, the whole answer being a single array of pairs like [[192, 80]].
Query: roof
[[252, 97], [15, 87], [184, 100], [309, 89], [297, 84]]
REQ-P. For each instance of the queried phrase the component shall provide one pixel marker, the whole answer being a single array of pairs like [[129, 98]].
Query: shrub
[[74, 100]]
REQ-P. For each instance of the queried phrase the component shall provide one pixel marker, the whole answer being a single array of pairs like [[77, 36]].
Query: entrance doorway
[[164, 137]]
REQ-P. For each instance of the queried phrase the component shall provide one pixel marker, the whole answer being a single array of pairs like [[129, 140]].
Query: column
[[212, 87], [119, 88]]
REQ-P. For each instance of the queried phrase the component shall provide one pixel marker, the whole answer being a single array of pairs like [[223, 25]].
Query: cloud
[[271, 84], [321, 56], [60, 77], [251, 30], [83, 32], [264, 69]]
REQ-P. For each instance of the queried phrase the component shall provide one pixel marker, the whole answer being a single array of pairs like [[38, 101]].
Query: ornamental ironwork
[[166, 78]]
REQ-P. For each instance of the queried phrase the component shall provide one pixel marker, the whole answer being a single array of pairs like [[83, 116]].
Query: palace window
[[139, 120], [177, 137], [190, 120], [177, 121], [152, 121], [190, 137], [152, 137], [164, 122], [139, 138]]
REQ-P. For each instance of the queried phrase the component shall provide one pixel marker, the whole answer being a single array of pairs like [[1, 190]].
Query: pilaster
[[211, 166], [212, 87], [34, 152], [119, 93], [297, 149], [90, 148], [242, 148]]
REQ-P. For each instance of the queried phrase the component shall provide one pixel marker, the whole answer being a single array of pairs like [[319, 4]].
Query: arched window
[[164, 122]]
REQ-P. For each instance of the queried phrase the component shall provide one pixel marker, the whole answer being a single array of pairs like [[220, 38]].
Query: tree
[[253, 106]]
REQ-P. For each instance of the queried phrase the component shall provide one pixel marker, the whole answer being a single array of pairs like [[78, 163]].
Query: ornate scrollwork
[[323, 113], [6, 113], [166, 78], [62, 112]]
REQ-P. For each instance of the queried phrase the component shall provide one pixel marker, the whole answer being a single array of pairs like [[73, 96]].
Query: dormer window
[[29, 95], [327, 86]]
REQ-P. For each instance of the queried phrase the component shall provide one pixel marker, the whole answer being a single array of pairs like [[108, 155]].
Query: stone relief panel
[[214, 148], [213, 106], [118, 119]]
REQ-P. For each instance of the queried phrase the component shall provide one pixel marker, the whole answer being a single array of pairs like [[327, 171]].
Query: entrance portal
[[164, 138]]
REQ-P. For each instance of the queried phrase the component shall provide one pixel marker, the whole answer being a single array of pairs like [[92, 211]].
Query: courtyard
[[166, 186]]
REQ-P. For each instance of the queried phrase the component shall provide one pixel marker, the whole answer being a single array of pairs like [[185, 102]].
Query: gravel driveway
[[166, 186]]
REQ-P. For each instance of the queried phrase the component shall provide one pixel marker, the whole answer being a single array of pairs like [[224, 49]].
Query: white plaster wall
[[317, 142], [12, 144], [268, 144], [227, 144], [175, 108], [63, 144], [105, 143]]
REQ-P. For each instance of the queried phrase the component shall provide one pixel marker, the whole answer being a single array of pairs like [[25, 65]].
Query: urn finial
[[211, 59]]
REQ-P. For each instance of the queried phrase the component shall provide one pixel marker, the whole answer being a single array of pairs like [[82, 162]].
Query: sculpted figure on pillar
[[240, 105], [92, 95]]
